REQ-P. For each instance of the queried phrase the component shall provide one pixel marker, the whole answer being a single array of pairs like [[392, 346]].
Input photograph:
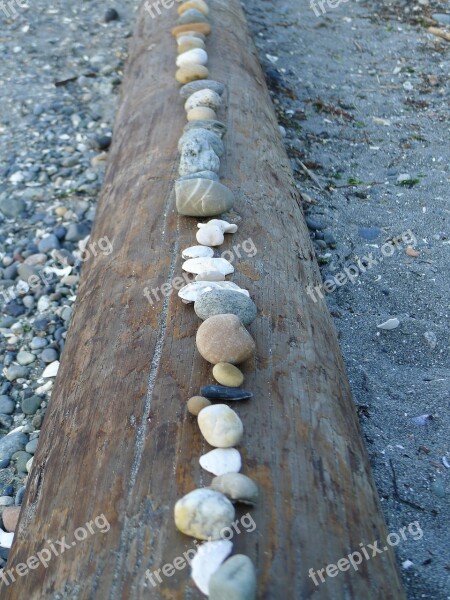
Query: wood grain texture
[[117, 439]]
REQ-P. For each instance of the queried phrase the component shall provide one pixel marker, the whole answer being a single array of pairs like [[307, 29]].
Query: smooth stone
[[192, 291], [200, 136], [210, 276], [205, 97], [21, 459], [7, 406], [190, 88], [197, 252], [203, 513], [201, 113], [190, 73], [196, 56], [222, 392], [235, 579], [204, 28], [16, 372], [369, 233], [6, 501], [389, 324], [314, 224], [198, 155], [190, 39], [210, 236], [32, 445], [199, 5], [223, 338], [6, 539], [25, 358], [220, 426], [29, 464], [208, 559], [10, 517], [202, 198], [221, 461], [12, 443], [201, 175], [191, 15], [185, 46], [199, 265], [196, 404], [51, 370], [30, 404], [216, 126], [221, 302], [228, 375], [223, 225], [191, 33], [236, 487]]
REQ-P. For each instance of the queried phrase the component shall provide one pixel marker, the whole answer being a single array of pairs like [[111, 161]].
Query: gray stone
[[216, 126], [77, 232], [235, 579], [7, 405], [12, 207], [201, 175], [202, 198], [203, 135], [191, 16], [198, 155], [49, 355], [31, 404], [37, 343], [32, 445], [21, 458], [202, 84], [16, 372], [221, 302], [14, 442], [25, 358], [48, 244], [6, 501], [25, 272]]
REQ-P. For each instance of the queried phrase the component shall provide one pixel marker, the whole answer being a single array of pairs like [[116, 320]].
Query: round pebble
[[223, 338], [220, 426], [196, 56], [237, 487], [235, 579], [191, 73], [202, 198], [196, 404], [220, 302], [10, 517], [228, 375], [201, 113], [203, 514]]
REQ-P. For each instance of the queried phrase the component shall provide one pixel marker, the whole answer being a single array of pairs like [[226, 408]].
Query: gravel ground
[[362, 96]]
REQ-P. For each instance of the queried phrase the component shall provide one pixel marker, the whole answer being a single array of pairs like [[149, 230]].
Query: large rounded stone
[[203, 514], [235, 579], [202, 198], [237, 487], [220, 426], [223, 302], [223, 338], [228, 375], [10, 516]]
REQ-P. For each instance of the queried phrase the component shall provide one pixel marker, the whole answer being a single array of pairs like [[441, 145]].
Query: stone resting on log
[[119, 447]]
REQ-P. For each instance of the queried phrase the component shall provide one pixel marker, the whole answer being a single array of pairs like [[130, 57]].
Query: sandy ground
[[362, 93]]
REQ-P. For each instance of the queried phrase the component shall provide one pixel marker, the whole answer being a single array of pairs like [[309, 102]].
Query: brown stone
[[204, 28], [223, 338], [10, 517]]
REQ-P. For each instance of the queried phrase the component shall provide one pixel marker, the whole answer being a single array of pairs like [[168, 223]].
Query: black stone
[[221, 392]]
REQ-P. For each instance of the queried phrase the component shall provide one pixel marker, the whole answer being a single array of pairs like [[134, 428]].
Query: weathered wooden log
[[117, 440]]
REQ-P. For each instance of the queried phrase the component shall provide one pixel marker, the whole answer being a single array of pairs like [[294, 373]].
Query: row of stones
[[226, 309]]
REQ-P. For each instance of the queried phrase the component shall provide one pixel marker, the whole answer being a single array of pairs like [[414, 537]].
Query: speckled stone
[[202, 198], [216, 126], [203, 514], [237, 487], [198, 155], [220, 426], [196, 404], [205, 97], [200, 136], [235, 579], [220, 302], [190, 88], [223, 338], [191, 73], [227, 374]]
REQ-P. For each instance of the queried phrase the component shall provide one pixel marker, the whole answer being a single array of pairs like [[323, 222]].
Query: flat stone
[[196, 404], [191, 73], [227, 374], [216, 126], [201, 175], [196, 56], [220, 302], [206, 98], [203, 514], [221, 460], [237, 487], [191, 15], [199, 5], [197, 252], [222, 392], [369, 233], [208, 559], [210, 236], [202, 198], [198, 155], [200, 136], [223, 338], [51, 370], [220, 426], [190, 88], [202, 264], [188, 42], [204, 28], [224, 226], [192, 291], [201, 113], [210, 276], [235, 579]]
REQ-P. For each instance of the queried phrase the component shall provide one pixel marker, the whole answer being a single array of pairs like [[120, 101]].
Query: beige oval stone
[[227, 374], [197, 4], [237, 487], [10, 517], [186, 43], [201, 113], [204, 28], [196, 56], [197, 34], [223, 338], [203, 514], [191, 73], [220, 426], [196, 404]]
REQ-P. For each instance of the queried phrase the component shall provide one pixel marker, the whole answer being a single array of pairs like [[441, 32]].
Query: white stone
[[203, 98], [237, 487], [191, 291], [220, 426], [221, 461], [210, 236], [29, 464], [389, 324], [51, 370], [204, 514], [200, 265], [210, 276], [197, 252], [198, 155], [196, 56], [223, 225], [6, 539], [208, 559]]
